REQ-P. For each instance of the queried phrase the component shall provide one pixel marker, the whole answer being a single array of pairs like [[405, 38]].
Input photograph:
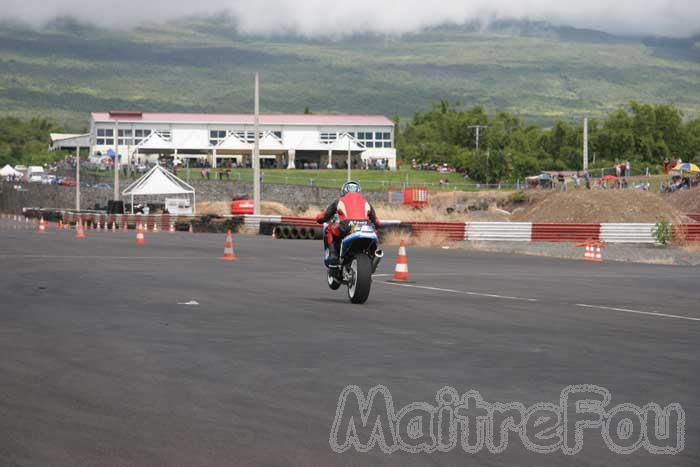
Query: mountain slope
[[537, 71]]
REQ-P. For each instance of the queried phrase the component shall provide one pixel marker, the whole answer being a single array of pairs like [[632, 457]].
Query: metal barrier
[[454, 231], [686, 233], [627, 233], [565, 232], [499, 231]]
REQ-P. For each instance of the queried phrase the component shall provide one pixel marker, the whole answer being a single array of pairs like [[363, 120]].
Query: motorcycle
[[359, 258]]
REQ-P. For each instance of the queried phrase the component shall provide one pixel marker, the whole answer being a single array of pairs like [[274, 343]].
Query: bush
[[663, 232], [518, 197]]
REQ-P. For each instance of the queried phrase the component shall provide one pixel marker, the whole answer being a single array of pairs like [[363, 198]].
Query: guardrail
[[686, 233], [565, 232], [499, 231], [613, 233], [627, 233], [455, 231]]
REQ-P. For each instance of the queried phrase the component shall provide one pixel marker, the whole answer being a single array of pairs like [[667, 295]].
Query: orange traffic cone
[[114, 226], [42, 226], [80, 233], [593, 250], [401, 271], [172, 228], [155, 226], [597, 253], [191, 229], [98, 227], [140, 239], [229, 255]]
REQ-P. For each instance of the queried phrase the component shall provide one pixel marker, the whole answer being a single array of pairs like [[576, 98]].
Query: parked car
[[67, 181], [49, 180], [103, 186], [35, 174]]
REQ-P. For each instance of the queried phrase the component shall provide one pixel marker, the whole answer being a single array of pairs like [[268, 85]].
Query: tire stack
[[291, 232]]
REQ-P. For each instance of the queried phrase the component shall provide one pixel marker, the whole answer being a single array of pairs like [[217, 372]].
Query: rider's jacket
[[350, 207]]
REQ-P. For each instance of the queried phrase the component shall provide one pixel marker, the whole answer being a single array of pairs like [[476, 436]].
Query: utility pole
[[478, 129], [77, 180], [115, 166], [488, 156], [585, 144], [349, 159], [256, 149]]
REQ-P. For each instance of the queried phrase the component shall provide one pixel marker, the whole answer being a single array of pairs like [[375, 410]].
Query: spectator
[[618, 173], [628, 169], [577, 180], [562, 181], [587, 176]]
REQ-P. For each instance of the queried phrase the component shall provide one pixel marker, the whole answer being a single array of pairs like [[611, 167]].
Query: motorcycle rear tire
[[359, 288]]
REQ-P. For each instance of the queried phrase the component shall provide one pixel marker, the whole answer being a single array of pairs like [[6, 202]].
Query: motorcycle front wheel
[[332, 282], [360, 280]]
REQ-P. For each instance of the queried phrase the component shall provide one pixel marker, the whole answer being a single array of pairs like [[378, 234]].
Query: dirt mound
[[687, 201], [583, 206]]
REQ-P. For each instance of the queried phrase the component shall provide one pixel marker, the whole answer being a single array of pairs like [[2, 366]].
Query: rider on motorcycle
[[351, 206]]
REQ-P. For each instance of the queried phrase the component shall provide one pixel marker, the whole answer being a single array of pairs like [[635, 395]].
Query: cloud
[[342, 17]]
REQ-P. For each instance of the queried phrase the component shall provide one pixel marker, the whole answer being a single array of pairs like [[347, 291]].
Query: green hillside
[[535, 71]]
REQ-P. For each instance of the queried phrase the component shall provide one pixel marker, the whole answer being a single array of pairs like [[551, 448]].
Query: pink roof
[[243, 119]]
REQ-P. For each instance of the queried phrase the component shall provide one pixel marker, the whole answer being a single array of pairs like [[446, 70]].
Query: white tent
[[345, 143], [271, 143], [155, 141], [158, 181], [234, 143], [8, 171]]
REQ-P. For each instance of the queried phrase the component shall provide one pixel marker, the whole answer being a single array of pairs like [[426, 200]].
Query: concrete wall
[[54, 196]]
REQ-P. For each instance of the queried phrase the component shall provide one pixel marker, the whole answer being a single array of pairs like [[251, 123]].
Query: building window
[[140, 135], [126, 137], [216, 137], [102, 132], [328, 137], [365, 138], [278, 134], [247, 136]]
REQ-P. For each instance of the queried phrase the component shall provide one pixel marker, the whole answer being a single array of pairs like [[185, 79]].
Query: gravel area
[[647, 254]]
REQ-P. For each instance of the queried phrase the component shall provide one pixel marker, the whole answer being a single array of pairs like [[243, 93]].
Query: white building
[[291, 141]]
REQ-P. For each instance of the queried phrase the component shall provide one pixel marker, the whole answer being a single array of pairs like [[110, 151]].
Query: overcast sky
[[329, 17]]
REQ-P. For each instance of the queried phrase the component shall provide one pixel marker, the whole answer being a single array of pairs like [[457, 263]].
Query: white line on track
[[637, 312], [461, 292]]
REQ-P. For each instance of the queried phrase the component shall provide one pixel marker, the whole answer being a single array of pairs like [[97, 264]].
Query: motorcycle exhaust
[[378, 255]]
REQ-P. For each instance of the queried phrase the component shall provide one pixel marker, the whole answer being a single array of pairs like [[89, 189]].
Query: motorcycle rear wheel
[[361, 279]]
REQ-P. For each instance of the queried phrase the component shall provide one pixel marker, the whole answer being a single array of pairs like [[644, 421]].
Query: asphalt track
[[103, 364]]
